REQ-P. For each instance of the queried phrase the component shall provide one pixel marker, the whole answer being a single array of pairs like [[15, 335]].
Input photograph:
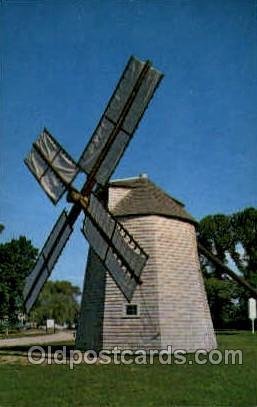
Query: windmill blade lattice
[[46, 260], [55, 171]]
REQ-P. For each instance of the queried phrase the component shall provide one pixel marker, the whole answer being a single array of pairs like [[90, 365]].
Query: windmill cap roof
[[146, 198]]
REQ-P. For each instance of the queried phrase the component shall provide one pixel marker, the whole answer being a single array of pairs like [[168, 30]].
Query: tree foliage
[[59, 301], [17, 258], [233, 238]]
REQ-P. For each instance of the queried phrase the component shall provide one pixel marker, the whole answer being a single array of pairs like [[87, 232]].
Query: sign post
[[252, 311], [50, 325]]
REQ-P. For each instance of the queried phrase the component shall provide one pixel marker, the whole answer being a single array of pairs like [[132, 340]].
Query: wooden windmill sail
[[55, 171]]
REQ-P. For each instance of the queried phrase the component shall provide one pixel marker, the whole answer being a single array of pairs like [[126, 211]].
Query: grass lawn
[[135, 385]]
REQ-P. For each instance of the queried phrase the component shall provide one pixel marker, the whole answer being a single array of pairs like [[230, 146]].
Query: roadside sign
[[252, 311]]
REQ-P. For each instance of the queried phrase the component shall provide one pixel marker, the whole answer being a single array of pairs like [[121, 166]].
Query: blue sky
[[198, 139]]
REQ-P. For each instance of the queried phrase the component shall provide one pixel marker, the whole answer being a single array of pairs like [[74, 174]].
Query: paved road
[[37, 340]]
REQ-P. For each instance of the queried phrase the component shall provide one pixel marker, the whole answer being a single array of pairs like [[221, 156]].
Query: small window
[[131, 310]]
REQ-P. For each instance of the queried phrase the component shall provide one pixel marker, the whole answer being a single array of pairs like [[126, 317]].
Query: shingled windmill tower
[[170, 307]]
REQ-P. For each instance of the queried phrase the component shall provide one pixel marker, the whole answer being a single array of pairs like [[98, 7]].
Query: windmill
[[112, 247], [55, 171]]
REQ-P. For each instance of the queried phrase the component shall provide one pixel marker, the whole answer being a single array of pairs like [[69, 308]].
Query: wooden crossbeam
[[215, 260]]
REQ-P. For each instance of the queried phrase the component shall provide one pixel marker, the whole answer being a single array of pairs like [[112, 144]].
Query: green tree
[[232, 238], [17, 258], [244, 249], [1, 227], [58, 300]]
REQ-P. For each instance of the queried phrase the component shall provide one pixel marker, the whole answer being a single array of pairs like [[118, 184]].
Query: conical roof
[[146, 198]]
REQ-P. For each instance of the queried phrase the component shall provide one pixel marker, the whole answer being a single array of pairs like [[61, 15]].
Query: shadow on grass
[[227, 332], [22, 350]]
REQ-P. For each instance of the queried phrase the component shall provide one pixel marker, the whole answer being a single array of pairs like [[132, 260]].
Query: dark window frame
[[131, 310]]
